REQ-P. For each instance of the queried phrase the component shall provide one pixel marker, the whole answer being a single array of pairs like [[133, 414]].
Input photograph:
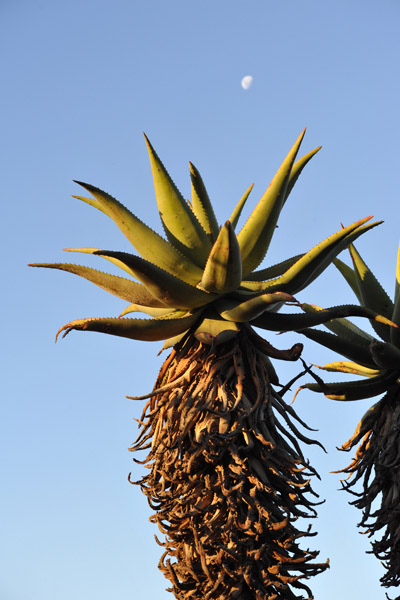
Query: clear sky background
[[80, 81]]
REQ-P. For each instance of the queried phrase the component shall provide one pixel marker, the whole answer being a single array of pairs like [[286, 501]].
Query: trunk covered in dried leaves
[[227, 478], [377, 466]]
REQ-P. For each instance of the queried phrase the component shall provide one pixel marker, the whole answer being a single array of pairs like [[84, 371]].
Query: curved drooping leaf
[[235, 216], [128, 290], [147, 242], [296, 322], [182, 228], [372, 293], [167, 288], [150, 330], [223, 270], [355, 352], [201, 205], [344, 328], [255, 236], [351, 390], [347, 366], [250, 309]]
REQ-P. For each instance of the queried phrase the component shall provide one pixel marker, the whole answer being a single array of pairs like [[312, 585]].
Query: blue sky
[[81, 81]]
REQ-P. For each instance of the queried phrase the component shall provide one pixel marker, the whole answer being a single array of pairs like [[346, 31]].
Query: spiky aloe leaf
[[347, 366], [149, 330], [235, 216], [297, 322], [395, 334], [372, 293], [201, 205], [167, 288], [182, 228], [297, 169], [349, 276], [250, 309], [355, 352], [344, 328], [93, 251], [255, 236], [351, 390], [223, 271], [274, 271], [147, 242], [119, 286]]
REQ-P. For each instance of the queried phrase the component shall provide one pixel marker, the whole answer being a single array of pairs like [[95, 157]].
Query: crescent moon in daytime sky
[[247, 81]]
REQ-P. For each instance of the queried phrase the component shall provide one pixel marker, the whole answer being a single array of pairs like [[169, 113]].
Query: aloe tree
[[376, 464], [226, 478]]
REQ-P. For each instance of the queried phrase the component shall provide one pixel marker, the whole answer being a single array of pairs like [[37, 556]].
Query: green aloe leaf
[[235, 216], [152, 311], [201, 205], [223, 270], [296, 322], [93, 251], [255, 236], [344, 328], [250, 309], [372, 293], [128, 290], [385, 355], [354, 352], [352, 390], [395, 334], [167, 288], [297, 169], [349, 276], [314, 262], [347, 366], [274, 271], [150, 330], [214, 330], [147, 242], [182, 228]]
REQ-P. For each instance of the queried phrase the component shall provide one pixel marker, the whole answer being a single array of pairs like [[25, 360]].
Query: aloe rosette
[[227, 478], [377, 359]]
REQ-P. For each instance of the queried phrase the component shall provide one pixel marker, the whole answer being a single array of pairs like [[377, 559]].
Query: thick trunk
[[227, 476]]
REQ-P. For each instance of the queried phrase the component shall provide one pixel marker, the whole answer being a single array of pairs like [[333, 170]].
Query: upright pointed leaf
[[255, 236], [349, 276], [235, 216], [223, 270], [297, 169], [147, 242], [167, 288], [202, 206], [395, 334], [372, 293], [181, 226]]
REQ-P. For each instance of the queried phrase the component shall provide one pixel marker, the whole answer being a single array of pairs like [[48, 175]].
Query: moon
[[247, 81]]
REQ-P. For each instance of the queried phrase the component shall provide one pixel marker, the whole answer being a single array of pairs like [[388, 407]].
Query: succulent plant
[[227, 477], [377, 460]]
